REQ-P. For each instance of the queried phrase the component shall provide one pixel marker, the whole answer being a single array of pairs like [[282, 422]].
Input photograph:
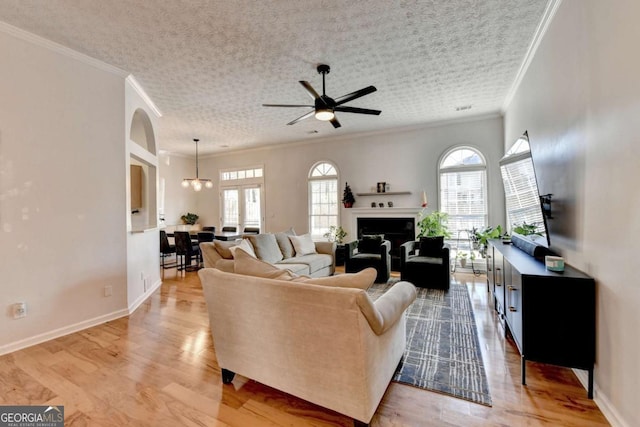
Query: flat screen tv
[[524, 204]]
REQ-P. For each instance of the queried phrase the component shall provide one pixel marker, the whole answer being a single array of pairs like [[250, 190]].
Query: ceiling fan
[[324, 107]]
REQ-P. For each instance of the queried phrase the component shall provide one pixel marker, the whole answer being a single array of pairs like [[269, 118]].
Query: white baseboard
[[142, 298], [600, 399], [60, 332], [85, 324]]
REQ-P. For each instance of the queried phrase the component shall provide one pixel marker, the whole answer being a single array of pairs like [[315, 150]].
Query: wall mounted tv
[[523, 201]]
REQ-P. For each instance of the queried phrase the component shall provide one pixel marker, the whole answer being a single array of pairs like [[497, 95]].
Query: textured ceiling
[[209, 65]]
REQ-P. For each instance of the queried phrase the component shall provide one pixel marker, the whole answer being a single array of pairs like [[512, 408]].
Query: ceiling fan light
[[325, 114]]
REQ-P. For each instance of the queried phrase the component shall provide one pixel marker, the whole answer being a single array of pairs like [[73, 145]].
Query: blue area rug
[[443, 351]]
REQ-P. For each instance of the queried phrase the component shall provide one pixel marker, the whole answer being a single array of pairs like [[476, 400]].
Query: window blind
[[521, 194], [463, 196]]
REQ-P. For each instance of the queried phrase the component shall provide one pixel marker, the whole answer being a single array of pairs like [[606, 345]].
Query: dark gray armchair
[[428, 267], [369, 252]]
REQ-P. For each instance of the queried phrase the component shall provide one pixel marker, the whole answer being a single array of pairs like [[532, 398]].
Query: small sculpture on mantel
[[390, 204], [381, 205]]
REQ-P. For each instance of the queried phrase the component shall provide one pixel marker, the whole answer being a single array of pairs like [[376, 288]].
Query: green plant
[[483, 236], [434, 224], [526, 229], [347, 196], [335, 234], [189, 218]]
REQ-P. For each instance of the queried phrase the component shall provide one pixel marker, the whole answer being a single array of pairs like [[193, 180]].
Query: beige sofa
[[322, 339], [276, 249]]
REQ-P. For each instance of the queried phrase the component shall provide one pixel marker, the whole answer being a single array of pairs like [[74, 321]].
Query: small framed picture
[[382, 187]]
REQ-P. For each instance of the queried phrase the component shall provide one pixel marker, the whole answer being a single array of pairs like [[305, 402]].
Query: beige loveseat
[[316, 260], [321, 339]]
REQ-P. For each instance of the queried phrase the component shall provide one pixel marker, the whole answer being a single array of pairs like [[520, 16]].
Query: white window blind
[[323, 199], [463, 195], [521, 193]]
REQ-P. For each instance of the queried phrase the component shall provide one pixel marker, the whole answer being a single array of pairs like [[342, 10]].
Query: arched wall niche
[[142, 131], [143, 172]]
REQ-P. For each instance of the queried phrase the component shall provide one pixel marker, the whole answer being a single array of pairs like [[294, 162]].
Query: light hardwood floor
[[158, 368]]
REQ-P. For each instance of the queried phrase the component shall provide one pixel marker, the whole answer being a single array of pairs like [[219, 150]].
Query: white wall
[[407, 160], [580, 101], [179, 200], [143, 242], [62, 203]]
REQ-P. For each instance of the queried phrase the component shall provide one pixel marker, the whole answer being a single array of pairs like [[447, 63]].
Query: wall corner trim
[[547, 17], [58, 48], [601, 400], [142, 298], [141, 92]]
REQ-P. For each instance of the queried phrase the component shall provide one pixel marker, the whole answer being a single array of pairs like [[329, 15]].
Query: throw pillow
[[266, 247], [244, 263], [285, 244], [370, 244], [431, 246], [303, 244], [245, 246], [223, 248], [361, 280]]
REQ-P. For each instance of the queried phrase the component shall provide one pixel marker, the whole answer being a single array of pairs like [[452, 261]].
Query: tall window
[[520, 187], [323, 199], [241, 198], [463, 190]]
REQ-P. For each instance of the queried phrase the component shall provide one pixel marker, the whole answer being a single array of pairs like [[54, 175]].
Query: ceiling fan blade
[[304, 116], [336, 124], [353, 95], [286, 105], [357, 110], [312, 92]]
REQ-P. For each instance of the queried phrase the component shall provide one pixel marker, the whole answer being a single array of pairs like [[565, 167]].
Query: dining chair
[[166, 249], [186, 249]]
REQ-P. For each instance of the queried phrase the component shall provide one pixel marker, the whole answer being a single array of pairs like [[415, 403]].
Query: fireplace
[[395, 230]]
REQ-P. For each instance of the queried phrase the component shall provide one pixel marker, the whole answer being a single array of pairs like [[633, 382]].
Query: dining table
[[218, 235]]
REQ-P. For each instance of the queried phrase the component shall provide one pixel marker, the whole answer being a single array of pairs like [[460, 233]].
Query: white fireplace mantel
[[355, 213]]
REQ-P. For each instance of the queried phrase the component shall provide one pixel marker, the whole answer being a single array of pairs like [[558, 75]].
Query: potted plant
[[335, 234], [483, 236], [526, 229], [347, 198], [434, 224], [189, 218], [462, 257]]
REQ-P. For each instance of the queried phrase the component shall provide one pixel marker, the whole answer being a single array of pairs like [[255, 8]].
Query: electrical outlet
[[19, 310], [108, 291]]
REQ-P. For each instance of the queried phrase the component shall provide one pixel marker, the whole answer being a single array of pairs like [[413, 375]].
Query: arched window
[[463, 189], [323, 199]]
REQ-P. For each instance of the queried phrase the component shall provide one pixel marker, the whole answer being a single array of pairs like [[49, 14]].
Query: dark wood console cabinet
[[550, 315]]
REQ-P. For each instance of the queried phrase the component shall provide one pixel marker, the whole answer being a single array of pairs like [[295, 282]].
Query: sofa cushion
[[425, 260], [314, 261], [431, 246], [223, 248], [286, 247], [303, 244], [362, 279], [299, 269], [370, 244], [266, 247], [244, 263], [245, 246]]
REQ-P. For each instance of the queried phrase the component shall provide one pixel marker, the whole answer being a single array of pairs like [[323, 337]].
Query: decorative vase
[[348, 204]]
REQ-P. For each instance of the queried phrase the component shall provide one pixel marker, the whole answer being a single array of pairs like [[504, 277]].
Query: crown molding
[[351, 136], [141, 92], [547, 17], [58, 48]]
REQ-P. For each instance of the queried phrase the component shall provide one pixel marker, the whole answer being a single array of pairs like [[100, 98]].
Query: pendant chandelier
[[197, 182]]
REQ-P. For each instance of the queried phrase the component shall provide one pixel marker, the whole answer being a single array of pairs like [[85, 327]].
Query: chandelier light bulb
[[209, 184], [185, 183], [197, 185]]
